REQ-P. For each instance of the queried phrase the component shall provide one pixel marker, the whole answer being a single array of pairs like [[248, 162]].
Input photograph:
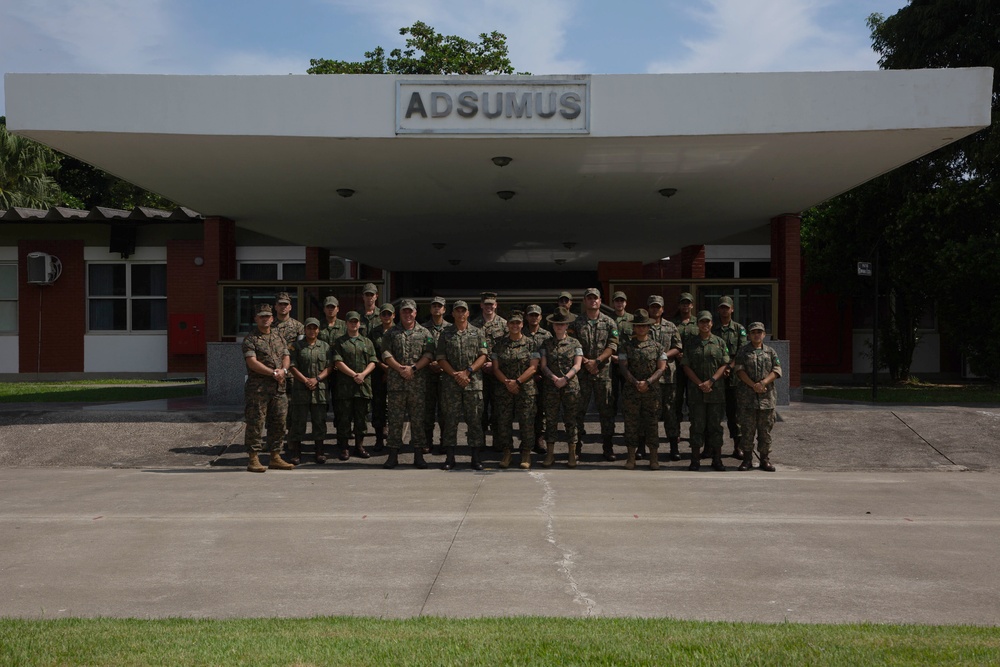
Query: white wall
[[125, 353], [926, 358], [8, 354]]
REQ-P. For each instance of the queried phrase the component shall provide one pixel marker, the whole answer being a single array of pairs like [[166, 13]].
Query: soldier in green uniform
[[561, 360], [461, 352], [493, 327], [369, 313], [598, 336], [310, 366], [687, 327], [533, 329], [735, 336], [407, 350], [353, 355], [757, 367], [265, 401], [623, 320], [515, 362], [666, 333], [643, 362], [329, 331], [380, 390], [705, 362], [284, 324], [436, 324]]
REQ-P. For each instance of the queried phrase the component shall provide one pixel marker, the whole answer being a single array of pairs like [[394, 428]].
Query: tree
[[85, 186], [26, 169], [933, 221], [438, 54]]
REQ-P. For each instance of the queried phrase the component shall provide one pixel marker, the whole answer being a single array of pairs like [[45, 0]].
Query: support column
[[786, 266], [52, 319], [693, 261], [608, 271], [220, 264], [317, 263]]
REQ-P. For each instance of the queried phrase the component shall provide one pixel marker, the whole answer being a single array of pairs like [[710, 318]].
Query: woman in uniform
[[561, 359]]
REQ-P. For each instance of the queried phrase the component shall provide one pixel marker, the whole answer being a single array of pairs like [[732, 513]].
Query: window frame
[[128, 297], [15, 300]]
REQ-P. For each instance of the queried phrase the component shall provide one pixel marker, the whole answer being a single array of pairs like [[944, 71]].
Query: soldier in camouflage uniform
[[493, 327], [436, 324], [353, 355], [704, 363], [284, 324], [310, 366], [666, 333], [736, 337], [687, 327], [515, 362], [643, 362], [461, 352], [329, 332], [623, 320], [533, 329], [265, 401], [369, 313], [407, 350], [561, 360], [757, 367], [598, 336], [380, 390]]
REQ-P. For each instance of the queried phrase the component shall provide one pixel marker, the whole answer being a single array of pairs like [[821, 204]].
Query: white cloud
[[776, 35]]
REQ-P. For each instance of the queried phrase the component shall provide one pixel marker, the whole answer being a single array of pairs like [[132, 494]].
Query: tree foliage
[[428, 52], [26, 169], [85, 186], [933, 221]]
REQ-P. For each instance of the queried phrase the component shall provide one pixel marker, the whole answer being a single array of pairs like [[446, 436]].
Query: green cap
[[726, 301], [312, 322], [387, 308], [756, 326], [704, 315], [353, 315], [685, 296]]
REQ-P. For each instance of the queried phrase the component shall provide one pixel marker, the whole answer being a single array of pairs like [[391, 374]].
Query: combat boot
[[294, 452], [675, 452], [525, 458], [320, 453], [550, 455], [630, 461], [717, 463], [477, 464], [277, 463], [765, 464], [449, 459], [254, 464], [345, 452], [747, 462], [640, 452], [737, 449], [695, 459], [392, 460], [654, 458], [571, 462], [505, 459], [418, 460], [379, 440], [359, 449], [609, 449]]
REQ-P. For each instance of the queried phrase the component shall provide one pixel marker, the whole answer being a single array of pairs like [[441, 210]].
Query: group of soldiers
[[491, 371]]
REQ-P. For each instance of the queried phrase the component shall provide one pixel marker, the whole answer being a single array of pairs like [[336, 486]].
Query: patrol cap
[[725, 301], [407, 303], [592, 291], [685, 296], [654, 298], [331, 301], [641, 317], [438, 301], [312, 322], [354, 315], [264, 309], [369, 288], [561, 316], [619, 295], [705, 315], [387, 308], [460, 304], [488, 297], [515, 316], [756, 326], [283, 297], [533, 309], [565, 295]]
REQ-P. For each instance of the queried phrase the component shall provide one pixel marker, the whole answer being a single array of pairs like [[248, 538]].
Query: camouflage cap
[[641, 317], [312, 322], [592, 291], [369, 288], [561, 316], [353, 315], [407, 303], [685, 296], [565, 295], [264, 309], [705, 315], [619, 295], [515, 316], [488, 297], [460, 304], [725, 301], [756, 326], [438, 301], [331, 301], [654, 299], [387, 308], [283, 297], [534, 309]]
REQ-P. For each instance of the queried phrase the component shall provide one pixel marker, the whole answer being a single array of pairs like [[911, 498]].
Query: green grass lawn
[[505, 641], [97, 391], [914, 394]]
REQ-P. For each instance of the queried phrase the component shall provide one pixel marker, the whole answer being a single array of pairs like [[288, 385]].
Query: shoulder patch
[[614, 332]]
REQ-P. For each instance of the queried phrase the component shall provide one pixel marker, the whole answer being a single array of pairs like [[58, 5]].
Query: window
[[8, 298], [127, 297], [295, 271]]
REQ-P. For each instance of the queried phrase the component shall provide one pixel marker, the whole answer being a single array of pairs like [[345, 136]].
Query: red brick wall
[[185, 295], [317, 263], [220, 264], [608, 271], [693, 261], [63, 309], [786, 266]]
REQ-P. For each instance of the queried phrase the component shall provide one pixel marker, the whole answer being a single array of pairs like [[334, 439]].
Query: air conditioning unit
[[43, 268], [342, 268]]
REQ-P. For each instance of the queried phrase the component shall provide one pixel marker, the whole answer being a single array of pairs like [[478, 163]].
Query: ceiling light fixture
[[502, 160], [668, 192], [505, 194], [438, 246], [345, 192]]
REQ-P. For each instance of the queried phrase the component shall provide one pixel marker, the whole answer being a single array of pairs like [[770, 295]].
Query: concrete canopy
[[270, 153]]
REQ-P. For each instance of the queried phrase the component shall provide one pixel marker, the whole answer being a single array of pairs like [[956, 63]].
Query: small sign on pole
[[864, 268]]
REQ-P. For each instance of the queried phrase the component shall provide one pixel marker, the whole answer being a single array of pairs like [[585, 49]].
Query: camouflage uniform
[[407, 347], [265, 400], [291, 329], [461, 349], [493, 330], [513, 358], [686, 330], [432, 403], [559, 356], [705, 357], [370, 322], [623, 322], [736, 337], [642, 410], [669, 337], [595, 336], [303, 404], [352, 399], [539, 337], [380, 388], [329, 334], [756, 411]]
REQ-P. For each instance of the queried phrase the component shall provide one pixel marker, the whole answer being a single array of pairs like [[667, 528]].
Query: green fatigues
[[667, 335], [264, 398], [642, 409], [705, 357], [291, 329], [370, 322], [352, 399], [434, 379], [624, 325], [329, 334], [595, 336], [756, 411], [494, 330], [736, 337], [461, 349], [407, 347], [380, 388], [539, 337], [305, 405], [686, 330], [513, 358], [559, 356]]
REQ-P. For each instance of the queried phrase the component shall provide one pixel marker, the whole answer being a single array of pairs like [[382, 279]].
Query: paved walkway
[[875, 514]]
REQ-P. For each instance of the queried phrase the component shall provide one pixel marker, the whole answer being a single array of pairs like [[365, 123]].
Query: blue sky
[[545, 36]]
